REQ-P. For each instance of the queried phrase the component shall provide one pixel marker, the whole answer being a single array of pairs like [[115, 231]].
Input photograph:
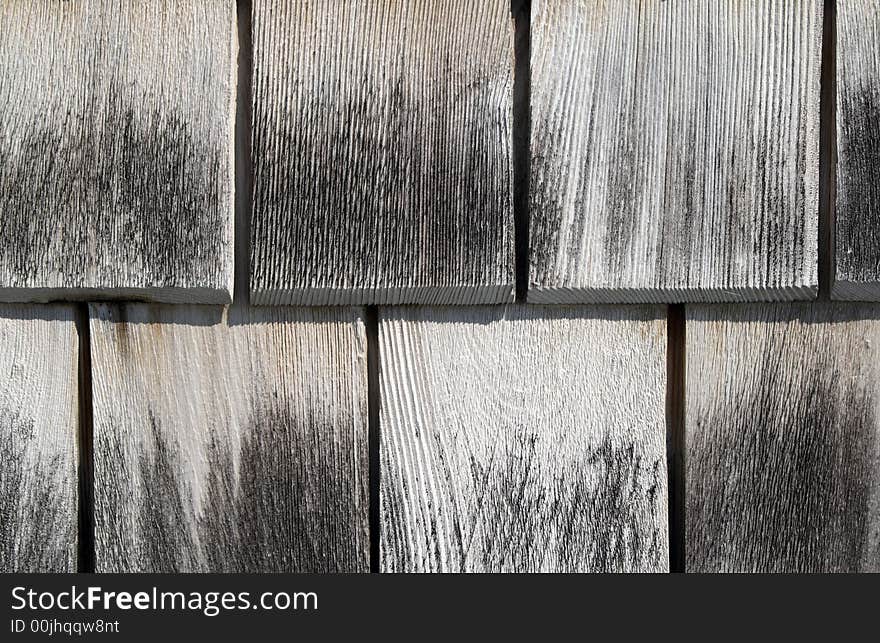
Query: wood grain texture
[[382, 152], [229, 442], [116, 162], [523, 439], [38, 439], [782, 438], [857, 235], [674, 150]]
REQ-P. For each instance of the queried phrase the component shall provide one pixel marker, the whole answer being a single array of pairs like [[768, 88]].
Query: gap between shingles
[[85, 467], [243, 158], [371, 321], [675, 433], [521, 14], [827, 149]]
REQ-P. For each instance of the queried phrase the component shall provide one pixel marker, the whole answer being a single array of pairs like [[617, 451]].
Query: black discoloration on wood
[[511, 474], [280, 503], [296, 506], [858, 230], [150, 533], [857, 234], [335, 233], [35, 537], [389, 180], [791, 507], [522, 505], [166, 542], [623, 201], [140, 188], [116, 172], [681, 196], [38, 450], [265, 468], [528, 517], [783, 441]]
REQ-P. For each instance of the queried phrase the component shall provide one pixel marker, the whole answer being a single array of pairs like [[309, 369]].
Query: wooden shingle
[[116, 162], [524, 439], [382, 152], [229, 441], [857, 234], [674, 150]]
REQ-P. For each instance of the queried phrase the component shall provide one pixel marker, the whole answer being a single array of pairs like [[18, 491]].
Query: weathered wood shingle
[[674, 150], [382, 152], [116, 164], [782, 446], [525, 439], [857, 247], [38, 439], [229, 441]]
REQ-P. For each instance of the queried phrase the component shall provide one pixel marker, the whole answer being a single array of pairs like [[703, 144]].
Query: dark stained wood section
[[318, 155], [382, 150], [523, 439], [229, 441], [857, 234], [38, 439], [783, 440], [674, 150], [116, 163]]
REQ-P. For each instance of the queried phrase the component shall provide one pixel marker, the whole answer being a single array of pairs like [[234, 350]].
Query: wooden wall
[[277, 280], [783, 438]]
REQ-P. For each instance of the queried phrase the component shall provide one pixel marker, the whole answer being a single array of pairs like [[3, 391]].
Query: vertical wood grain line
[[675, 426], [828, 150], [521, 13], [85, 469], [371, 322], [244, 166]]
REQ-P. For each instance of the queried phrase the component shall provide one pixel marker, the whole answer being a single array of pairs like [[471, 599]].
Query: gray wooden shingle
[[229, 441], [382, 152], [38, 439], [857, 245], [782, 446], [116, 164], [674, 150], [523, 439]]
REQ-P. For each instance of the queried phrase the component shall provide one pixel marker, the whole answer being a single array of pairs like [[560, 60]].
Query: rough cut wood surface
[[382, 152], [523, 439], [116, 164], [229, 441], [38, 439], [674, 150], [783, 439], [857, 274]]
